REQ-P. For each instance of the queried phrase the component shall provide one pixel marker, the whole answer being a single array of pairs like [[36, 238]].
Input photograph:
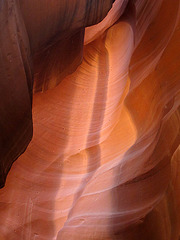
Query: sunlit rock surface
[[104, 160]]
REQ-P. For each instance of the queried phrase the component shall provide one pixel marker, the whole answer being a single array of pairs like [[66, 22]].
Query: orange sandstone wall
[[103, 163]]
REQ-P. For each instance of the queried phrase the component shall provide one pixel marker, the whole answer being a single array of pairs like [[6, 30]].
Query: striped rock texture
[[104, 159]]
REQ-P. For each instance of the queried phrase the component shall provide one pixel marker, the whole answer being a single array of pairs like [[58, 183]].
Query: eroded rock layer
[[31, 35], [103, 162]]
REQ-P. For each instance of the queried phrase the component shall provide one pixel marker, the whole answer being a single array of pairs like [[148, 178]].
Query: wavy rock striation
[[103, 162]]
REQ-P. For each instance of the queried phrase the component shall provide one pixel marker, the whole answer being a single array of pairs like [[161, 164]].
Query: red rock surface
[[103, 163]]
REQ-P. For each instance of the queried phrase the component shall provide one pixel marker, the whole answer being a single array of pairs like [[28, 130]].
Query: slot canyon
[[89, 120]]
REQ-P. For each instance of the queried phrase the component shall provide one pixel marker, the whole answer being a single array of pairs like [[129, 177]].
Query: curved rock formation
[[103, 162], [33, 32]]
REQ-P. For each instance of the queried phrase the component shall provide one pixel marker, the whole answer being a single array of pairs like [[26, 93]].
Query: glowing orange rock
[[103, 162]]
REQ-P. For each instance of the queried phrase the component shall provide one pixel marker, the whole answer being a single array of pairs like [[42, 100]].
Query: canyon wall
[[104, 159]]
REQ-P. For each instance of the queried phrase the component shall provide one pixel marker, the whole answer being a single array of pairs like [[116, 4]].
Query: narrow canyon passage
[[103, 163]]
